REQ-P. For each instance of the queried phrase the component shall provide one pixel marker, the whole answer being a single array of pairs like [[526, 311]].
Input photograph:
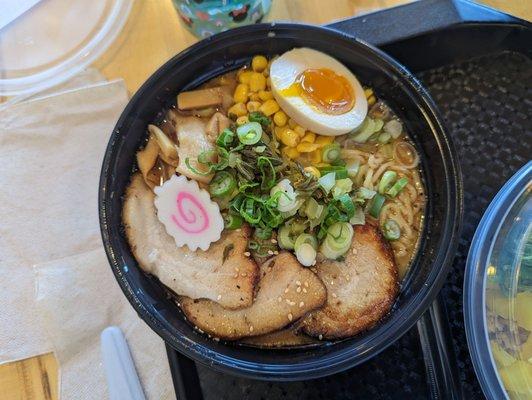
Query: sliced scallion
[[330, 153], [285, 238], [306, 254], [327, 181], [225, 138], [305, 238], [222, 183], [376, 205], [233, 221], [249, 133], [386, 181], [391, 230], [397, 187]]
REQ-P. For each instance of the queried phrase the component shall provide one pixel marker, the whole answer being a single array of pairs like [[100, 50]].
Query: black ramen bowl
[[392, 83]]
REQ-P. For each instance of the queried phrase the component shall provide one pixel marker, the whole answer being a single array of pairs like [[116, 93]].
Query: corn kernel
[[280, 118], [315, 157], [265, 95], [269, 107], [242, 120], [241, 93], [254, 97], [244, 76], [291, 123], [279, 131], [266, 73], [371, 100], [306, 147], [290, 152], [289, 137], [237, 109], [324, 140], [368, 92], [259, 63], [253, 106], [313, 171], [257, 82], [309, 137], [300, 130]]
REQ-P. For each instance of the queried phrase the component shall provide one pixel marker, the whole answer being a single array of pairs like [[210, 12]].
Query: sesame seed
[[274, 241], [237, 269], [292, 303], [251, 328], [247, 253], [290, 317], [279, 299], [347, 278], [304, 290], [320, 337], [270, 252], [334, 295], [298, 289], [239, 230], [332, 283], [275, 252], [298, 283], [235, 276], [219, 297], [306, 283], [244, 274], [286, 290], [301, 304], [287, 301]]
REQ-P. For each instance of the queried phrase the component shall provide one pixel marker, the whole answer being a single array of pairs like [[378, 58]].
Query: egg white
[[283, 73]]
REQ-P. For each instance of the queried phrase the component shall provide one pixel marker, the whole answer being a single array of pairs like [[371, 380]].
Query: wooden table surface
[[152, 35]]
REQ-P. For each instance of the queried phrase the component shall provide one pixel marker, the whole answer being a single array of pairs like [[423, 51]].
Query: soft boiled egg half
[[318, 92]]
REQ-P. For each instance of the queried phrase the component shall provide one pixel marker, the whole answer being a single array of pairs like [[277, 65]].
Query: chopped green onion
[[376, 205], [391, 230], [259, 149], [248, 211], [346, 205], [337, 241], [222, 183], [363, 133], [197, 171], [267, 172], [342, 186], [352, 168], [397, 187], [285, 238], [358, 217], [257, 116], [306, 255], [379, 123], [313, 209], [233, 221], [327, 181], [384, 137], [339, 170], [207, 156], [386, 181], [330, 152], [249, 133], [225, 138], [263, 233], [305, 238], [365, 193]]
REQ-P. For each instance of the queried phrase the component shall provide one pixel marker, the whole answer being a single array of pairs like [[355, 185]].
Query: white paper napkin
[[51, 150]]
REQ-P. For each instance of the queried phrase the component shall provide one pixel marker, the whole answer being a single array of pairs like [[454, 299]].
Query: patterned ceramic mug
[[207, 17]]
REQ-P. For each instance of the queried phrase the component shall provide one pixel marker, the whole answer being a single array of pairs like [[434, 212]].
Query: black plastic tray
[[476, 64]]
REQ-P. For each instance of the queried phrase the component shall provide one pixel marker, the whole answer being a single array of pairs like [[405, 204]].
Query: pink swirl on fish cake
[[191, 215]]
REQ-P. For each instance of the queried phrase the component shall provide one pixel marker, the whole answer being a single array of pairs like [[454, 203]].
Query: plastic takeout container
[[393, 83], [54, 40], [498, 292]]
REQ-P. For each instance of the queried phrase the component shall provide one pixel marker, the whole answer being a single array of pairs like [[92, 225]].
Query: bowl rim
[[353, 355]]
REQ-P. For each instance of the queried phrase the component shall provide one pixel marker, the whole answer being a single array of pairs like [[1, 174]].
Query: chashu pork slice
[[197, 274], [286, 291], [360, 290]]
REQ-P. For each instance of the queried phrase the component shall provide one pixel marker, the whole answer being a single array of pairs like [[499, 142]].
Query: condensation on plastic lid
[[55, 40]]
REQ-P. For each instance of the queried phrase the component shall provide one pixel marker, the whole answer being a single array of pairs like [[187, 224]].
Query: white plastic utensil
[[122, 377]]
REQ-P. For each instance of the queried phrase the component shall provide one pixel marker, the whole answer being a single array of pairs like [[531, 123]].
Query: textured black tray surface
[[487, 105]]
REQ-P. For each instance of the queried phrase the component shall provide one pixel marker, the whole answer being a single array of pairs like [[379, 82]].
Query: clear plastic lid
[[498, 292], [54, 39]]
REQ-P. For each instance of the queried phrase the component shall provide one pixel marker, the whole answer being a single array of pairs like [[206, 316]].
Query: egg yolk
[[325, 89]]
